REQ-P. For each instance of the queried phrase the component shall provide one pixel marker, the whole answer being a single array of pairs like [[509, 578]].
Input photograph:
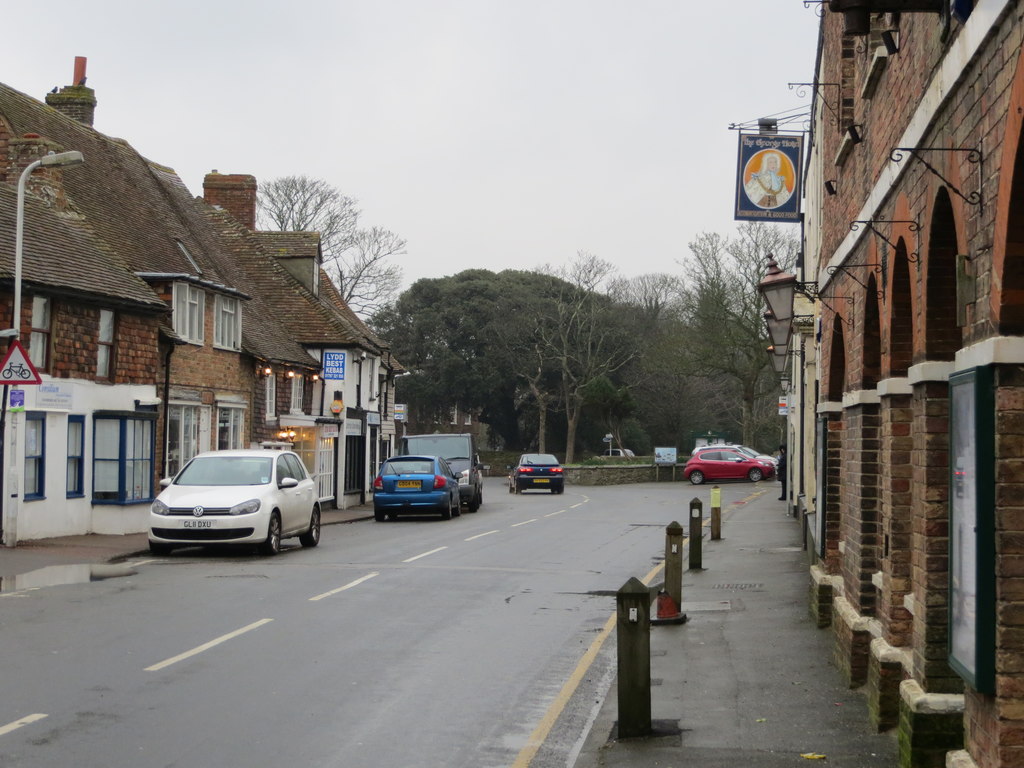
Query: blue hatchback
[[415, 485]]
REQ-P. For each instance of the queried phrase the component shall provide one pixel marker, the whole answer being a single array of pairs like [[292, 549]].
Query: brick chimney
[[44, 183], [235, 193], [75, 100]]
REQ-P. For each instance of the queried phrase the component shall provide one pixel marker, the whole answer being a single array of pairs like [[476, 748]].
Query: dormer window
[[227, 323], [189, 307]]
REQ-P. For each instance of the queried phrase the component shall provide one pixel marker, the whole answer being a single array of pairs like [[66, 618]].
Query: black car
[[536, 470]]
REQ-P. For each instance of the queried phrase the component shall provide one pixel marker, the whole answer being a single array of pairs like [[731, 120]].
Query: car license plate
[[408, 483], [198, 524], [541, 480]]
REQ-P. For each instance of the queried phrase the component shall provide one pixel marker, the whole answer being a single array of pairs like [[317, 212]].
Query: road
[[474, 642]]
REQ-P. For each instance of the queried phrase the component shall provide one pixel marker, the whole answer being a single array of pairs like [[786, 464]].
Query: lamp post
[[13, 447]]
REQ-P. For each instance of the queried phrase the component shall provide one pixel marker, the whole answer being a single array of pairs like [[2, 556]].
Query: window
[[122, 464], [227, 323], [270, 393], [230, 422], [183, 427], [39, 341], [35, 452], [105, 345], [189, 306], [76, 454], [296, 406]]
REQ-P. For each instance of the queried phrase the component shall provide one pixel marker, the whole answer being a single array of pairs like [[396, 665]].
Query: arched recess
[[901, 314], [1011, 310], [837, 362], [942, 335], [872, 338]]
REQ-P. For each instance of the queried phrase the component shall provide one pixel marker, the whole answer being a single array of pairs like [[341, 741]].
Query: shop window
[[183, 428], [122, 465], [230, 425], [35, 453], [76, 456]]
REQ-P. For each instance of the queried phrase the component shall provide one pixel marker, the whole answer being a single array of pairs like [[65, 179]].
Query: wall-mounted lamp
[[291, 374], [889, 41], [267, 371], [854, 134], [316, 377], [830, 186], [286, 434]]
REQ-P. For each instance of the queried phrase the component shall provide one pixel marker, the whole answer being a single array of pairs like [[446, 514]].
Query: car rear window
[[227, 470], [538, 458], [409, 467]]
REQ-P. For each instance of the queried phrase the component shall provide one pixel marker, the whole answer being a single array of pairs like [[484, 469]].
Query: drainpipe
[[167, 406]]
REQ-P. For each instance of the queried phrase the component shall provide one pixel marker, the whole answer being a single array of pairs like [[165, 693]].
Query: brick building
[[907, 367]]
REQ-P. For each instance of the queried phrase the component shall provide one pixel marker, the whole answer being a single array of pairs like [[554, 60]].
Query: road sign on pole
[[16, 368]]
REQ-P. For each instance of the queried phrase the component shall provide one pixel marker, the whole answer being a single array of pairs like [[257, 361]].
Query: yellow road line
[[207, 646], [27, 720], [543, 729], [351, 584]]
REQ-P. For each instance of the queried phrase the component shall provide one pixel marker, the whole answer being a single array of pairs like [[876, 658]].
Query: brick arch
[[901, 314], [836, 362], [1007, 295], [871, 364], [942, 336]]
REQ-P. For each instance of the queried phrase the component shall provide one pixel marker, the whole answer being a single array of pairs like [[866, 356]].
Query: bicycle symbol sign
[[16, 368]]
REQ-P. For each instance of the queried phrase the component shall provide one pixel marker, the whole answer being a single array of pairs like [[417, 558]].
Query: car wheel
[[446, 510], [273, 543], [511, 487], [755, 475], [696, 477], [379, 516], [312, 537], [160, 549], [476, 501], [456, 506]]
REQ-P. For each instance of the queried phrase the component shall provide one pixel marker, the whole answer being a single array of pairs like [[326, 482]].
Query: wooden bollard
[[696, 533], [633, 634], [716, 513], [674, 561]]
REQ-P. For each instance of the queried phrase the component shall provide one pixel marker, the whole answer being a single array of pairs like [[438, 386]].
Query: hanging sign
[[17, 368], [768, 177]]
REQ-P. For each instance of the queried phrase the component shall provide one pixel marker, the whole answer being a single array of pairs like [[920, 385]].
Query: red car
[[726, 464]]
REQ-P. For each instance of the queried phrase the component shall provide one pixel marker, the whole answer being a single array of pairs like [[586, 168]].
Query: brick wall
[[896, 476], [859, 521]]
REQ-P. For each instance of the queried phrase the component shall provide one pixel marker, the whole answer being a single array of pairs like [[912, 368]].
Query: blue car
[[415, 485]]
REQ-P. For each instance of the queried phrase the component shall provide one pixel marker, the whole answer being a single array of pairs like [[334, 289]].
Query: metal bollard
[[674, 561], [633, 635], [696, 533], [716, 513]]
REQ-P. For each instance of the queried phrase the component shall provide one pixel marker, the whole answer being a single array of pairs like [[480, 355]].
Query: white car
[[236, 497]]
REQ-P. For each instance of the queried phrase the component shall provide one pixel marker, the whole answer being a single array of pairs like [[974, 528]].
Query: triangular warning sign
[[17, 368]]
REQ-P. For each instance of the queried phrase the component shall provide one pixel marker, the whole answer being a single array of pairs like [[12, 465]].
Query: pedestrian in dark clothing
[[781, 470]]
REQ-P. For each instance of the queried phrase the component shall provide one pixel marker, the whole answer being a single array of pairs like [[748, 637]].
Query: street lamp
[[52, 160], [778, 288], [778, 330]]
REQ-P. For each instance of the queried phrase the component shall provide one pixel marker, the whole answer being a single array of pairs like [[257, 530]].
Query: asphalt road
[[475, 642]]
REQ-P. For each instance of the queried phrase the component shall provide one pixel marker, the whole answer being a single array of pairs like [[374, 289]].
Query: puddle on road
[[57, 575]]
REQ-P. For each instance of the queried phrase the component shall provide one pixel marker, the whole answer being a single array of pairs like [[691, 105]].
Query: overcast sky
[[487, 133]]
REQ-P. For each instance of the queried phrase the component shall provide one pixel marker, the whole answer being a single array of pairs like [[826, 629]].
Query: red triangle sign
[[17, 368]]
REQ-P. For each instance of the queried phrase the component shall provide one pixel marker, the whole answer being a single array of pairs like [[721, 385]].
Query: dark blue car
[[537, 470], [415, 485]]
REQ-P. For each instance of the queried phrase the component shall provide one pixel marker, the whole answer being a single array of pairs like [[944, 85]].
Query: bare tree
[[357, 260]]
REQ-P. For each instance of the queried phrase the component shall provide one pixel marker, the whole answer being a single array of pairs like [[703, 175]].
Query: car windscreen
[[445, 446], [227, 470]]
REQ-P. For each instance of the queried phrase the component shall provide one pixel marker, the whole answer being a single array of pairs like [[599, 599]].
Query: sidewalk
[[18, 563], [747, 680]]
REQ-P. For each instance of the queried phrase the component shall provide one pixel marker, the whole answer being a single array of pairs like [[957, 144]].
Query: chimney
[[45, 183], [75, 100], [235, 193]]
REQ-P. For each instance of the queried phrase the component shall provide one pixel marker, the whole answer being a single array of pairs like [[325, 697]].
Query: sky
[[490, 134]]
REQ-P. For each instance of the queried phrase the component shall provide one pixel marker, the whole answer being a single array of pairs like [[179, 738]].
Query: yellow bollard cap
[[716, 496]]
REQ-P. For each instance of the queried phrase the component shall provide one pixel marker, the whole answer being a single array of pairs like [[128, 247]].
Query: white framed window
[[184, 435], [39, 340], [296, 404], [189, 307], [230, 427], [270, 395], [105, 345], [227, 323]]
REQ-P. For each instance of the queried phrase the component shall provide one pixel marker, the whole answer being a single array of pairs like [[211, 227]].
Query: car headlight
[[245, 508], [464, 477], [159, 508]]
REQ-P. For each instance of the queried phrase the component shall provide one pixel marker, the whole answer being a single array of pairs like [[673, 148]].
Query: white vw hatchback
[[253, 496]]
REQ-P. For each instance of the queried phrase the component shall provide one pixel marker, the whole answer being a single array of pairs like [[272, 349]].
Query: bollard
[[633, 635], [674, 561], [716, 513], [696, 533]]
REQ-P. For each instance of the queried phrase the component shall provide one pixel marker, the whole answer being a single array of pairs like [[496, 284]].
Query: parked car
[[415, 485], [537, 470], [725, 464], [251, 496], [744, 449], [459, 450]]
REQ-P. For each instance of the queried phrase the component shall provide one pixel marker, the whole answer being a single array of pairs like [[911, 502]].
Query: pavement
[[745, 681]]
